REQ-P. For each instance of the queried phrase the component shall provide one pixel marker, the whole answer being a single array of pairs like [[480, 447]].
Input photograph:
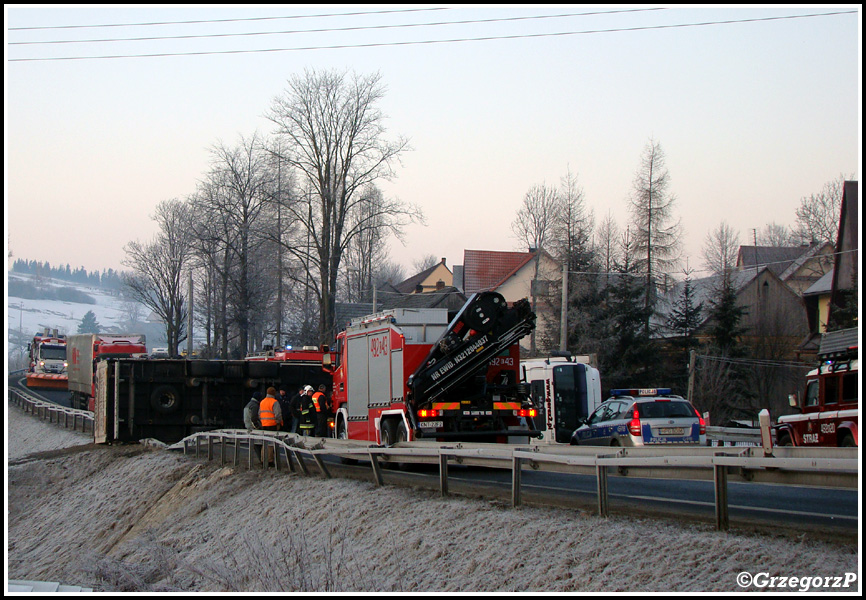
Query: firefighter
[[285, 409], [323, 409], [308, 412], [271, 418]]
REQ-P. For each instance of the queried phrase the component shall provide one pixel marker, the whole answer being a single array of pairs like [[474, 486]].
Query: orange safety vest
[[266, 412], [316, 397]]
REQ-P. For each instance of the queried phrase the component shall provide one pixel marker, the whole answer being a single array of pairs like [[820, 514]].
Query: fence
[[830, 467], [52, 412]]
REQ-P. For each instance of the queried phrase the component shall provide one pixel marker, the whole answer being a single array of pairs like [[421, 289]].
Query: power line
[[246, 19], [338, 29], [448, 41]]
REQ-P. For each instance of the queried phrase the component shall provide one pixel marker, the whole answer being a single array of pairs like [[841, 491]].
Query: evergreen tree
[[684, 320], [685, 317], [631, 357], [725, 317], [89, 323]]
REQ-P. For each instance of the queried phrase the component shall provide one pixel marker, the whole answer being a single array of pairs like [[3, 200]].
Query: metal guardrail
[[794, 466], [52, 412], [828, 467]]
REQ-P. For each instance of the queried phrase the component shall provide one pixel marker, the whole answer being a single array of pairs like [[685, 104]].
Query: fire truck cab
[[829, 409]]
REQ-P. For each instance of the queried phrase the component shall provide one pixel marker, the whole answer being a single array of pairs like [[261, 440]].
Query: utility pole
[[563, 318], [189, 320]]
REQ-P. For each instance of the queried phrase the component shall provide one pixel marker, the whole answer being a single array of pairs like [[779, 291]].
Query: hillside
[[124, 518], [61, 305]]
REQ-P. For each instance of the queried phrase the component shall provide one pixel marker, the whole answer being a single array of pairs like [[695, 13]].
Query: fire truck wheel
[[343, 434], [165, 399], [785, 440], [848, 441]]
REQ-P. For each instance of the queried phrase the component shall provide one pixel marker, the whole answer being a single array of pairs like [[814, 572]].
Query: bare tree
[[656, 234], [335, 139], [720, 250], [818, 214], [156, 279], [606, 244], [571, 237], [534, 227], [777, 236]]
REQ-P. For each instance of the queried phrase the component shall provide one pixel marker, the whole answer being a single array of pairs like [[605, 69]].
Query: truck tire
[[343, 434], [165, 399], [848, 441], [785, 440]]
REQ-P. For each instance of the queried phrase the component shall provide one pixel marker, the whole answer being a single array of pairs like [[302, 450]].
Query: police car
[[642, 417]]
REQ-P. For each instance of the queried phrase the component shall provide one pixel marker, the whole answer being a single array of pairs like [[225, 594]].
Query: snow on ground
[[32, 316], [126, 518]]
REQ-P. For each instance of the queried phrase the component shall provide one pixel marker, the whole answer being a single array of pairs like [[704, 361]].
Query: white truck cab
[[565, 389]]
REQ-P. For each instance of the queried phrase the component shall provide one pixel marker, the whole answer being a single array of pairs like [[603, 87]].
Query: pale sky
[[753, 116]]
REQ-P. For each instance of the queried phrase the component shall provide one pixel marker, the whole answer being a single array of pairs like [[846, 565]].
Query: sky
[[752, 115]]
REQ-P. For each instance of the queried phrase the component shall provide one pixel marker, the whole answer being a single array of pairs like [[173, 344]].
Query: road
[[819, 512]]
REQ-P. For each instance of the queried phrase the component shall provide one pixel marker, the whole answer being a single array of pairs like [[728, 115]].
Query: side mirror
[[792, 400]]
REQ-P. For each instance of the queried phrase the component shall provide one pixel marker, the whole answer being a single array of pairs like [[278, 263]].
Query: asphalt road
[[818, 512]]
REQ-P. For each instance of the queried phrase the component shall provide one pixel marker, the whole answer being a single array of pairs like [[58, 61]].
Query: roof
[[838, 343], [409, 285], [488, 269], [775, 258], [448, 297], [823, 286]]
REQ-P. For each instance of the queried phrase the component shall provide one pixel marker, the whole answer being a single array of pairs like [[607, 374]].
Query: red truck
[[829, 409], [407, 374], [84, 351]]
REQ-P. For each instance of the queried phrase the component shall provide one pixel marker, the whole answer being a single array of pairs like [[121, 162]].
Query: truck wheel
[[848, 441], [343, 434], [165, 399], [785, 440]]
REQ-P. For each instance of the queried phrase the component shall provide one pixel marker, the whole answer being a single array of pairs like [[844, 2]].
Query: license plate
[[430, 424], [671, 431]]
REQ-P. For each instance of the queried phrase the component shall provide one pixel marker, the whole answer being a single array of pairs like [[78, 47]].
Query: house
[[798, 266], [773, 310], [436, 277], [534, 275], [828, 293]]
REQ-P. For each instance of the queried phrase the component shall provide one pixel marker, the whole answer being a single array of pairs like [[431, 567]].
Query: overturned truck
[[169, 399]]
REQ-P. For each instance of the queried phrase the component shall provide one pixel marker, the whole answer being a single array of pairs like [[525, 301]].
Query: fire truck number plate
[[430, 424]]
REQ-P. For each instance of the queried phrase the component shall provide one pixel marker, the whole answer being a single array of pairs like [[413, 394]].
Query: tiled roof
[[488, 269]]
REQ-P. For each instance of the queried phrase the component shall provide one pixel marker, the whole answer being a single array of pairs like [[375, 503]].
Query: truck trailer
[[85, 351]]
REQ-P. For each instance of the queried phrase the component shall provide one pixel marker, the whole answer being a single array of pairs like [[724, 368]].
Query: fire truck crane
[[464, 374]]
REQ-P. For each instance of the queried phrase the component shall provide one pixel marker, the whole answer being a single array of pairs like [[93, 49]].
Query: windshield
[[665, 410], [53, 352]]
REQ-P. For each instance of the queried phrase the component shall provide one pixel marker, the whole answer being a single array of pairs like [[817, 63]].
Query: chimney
[[443, 260], [440, 285]]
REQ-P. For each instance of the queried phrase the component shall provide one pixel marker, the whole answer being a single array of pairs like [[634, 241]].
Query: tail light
[[701, 422], [634, 424], [526, 412], [426, 413]]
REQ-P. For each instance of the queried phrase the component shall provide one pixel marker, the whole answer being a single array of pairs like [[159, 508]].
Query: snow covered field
[[125, 518]]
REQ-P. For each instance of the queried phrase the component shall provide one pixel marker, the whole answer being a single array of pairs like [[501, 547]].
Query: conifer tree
[[89, 324]]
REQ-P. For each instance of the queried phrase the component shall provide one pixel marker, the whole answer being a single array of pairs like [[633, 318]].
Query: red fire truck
[[47, 361], [829, 410], [407, 374]]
